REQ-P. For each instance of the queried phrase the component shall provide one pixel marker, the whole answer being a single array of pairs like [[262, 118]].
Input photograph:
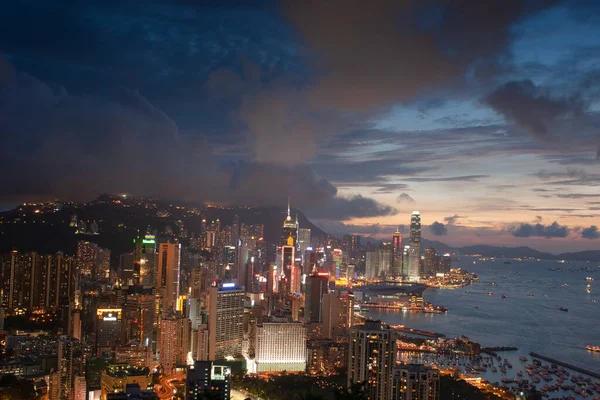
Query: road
[[166, 390]]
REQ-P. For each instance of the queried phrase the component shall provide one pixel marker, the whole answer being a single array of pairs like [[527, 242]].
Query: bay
[[530, 322]]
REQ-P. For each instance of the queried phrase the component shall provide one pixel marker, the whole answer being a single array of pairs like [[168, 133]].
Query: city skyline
[[486, 120]]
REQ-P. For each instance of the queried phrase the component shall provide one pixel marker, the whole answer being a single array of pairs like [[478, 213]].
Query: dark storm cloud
[[590, 233], [404, 198], [57, 144], [438, 229], [577, 195], [556, 119], [554, 230]]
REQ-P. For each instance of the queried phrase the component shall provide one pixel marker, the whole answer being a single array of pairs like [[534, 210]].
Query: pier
[[419, 332], [563, 364]]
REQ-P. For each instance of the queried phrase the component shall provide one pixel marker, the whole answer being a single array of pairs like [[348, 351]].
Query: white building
[[415, 382], [225, 321], [280, 347]]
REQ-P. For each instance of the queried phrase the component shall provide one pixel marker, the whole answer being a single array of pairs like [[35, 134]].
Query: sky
[[484, 116]]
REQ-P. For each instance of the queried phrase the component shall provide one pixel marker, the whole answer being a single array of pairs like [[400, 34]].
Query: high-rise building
[[204, 380], [414, 268], [65, 368], [168, 275], [225, 321], [175, 331], [303, 242], [116, 377], [287, 259], [134, 354], [290, 228], [145, 260], [371, 357], [378, 263], [415, 382], [338, 314], [397, 250], [316, 287], [79, 388], [280, 347], [139, 318], [86, 256], [445, 263], [431, 261], [108, 330], [405, 261]]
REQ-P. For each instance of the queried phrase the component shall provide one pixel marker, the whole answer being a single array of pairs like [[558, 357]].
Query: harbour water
[[528, 318]]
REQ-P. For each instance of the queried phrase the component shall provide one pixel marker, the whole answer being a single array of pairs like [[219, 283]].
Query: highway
[[166, 390]]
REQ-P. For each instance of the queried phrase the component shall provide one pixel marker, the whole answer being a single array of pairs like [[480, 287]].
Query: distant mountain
[[508, 252], [588, 255], [120, 219]]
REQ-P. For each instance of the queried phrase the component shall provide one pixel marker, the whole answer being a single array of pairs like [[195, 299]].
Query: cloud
[[451, 220], [75, 147], [554, 230], [590, 233], [438, 229], [577, 195], [338, 228], [404, 198], [463, 178]]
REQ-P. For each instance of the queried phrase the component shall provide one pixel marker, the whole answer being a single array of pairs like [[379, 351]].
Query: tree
[[355, 392]]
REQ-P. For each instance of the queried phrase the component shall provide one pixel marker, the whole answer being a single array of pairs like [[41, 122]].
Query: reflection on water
[[528, 318]]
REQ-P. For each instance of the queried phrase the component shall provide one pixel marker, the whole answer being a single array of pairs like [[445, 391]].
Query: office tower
[[378, 263], [316, 287], [145, 260], [225, 321], [354, 246], [338, 314], [280, 347], [108, 330], [79, 388], [445, 263], [76, 324], [415, 247], [116, 377], [139, 318], [430, 261], [204, 380], [175, 331], [303, 242], [397, 252], [415, 382], [242, 260], [287, 257], [17, 275], [290, 228], [65, 368], [371, 357], [168, 275], [126, 267], [235, 230], [134, 354], [272, 279], [337, 260]]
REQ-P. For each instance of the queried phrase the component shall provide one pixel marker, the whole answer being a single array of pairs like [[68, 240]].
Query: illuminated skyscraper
[[204, 380], [175, 333], [108, 330], [397, 251], [139, 318], [65, 368], [371, 357], [290, 228], [287, 257], [415, 382], [414, 271], [168, 275], [378, 263], [145, 260], [431, 261], [225, 321], [303, 242]]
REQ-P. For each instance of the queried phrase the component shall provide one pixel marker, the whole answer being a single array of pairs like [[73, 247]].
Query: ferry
[[565, 285], [503, 296], [490, 293], [588, 288], [592, 348], [563, 309]]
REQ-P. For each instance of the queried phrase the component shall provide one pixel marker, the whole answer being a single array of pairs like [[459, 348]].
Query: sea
[[529, 318]]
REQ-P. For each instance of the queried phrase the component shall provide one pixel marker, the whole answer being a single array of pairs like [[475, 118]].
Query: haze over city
[[481, 115]]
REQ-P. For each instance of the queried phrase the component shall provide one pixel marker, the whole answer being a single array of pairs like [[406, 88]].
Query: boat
[[589, 278], [503, 296], [519, 373], [530, 294], [565, 309], [592, 348], [565, 285], [490, 293], [588, 288], [523, 358], [507, 262]]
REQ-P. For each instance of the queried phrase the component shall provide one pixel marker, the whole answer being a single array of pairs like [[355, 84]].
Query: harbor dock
[[563, 364]]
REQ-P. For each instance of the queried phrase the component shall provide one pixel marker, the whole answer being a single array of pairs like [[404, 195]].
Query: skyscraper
[[139, 317], [431, 261], [397, 251], [65, 368], [225, 321], [414, 269], [415, 382], [175, 333], [303, 242], [168, 275], [287, 257], [290, 228], [145, 260], [316, 287], [371, 357], [108, 330], [378, 263]]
